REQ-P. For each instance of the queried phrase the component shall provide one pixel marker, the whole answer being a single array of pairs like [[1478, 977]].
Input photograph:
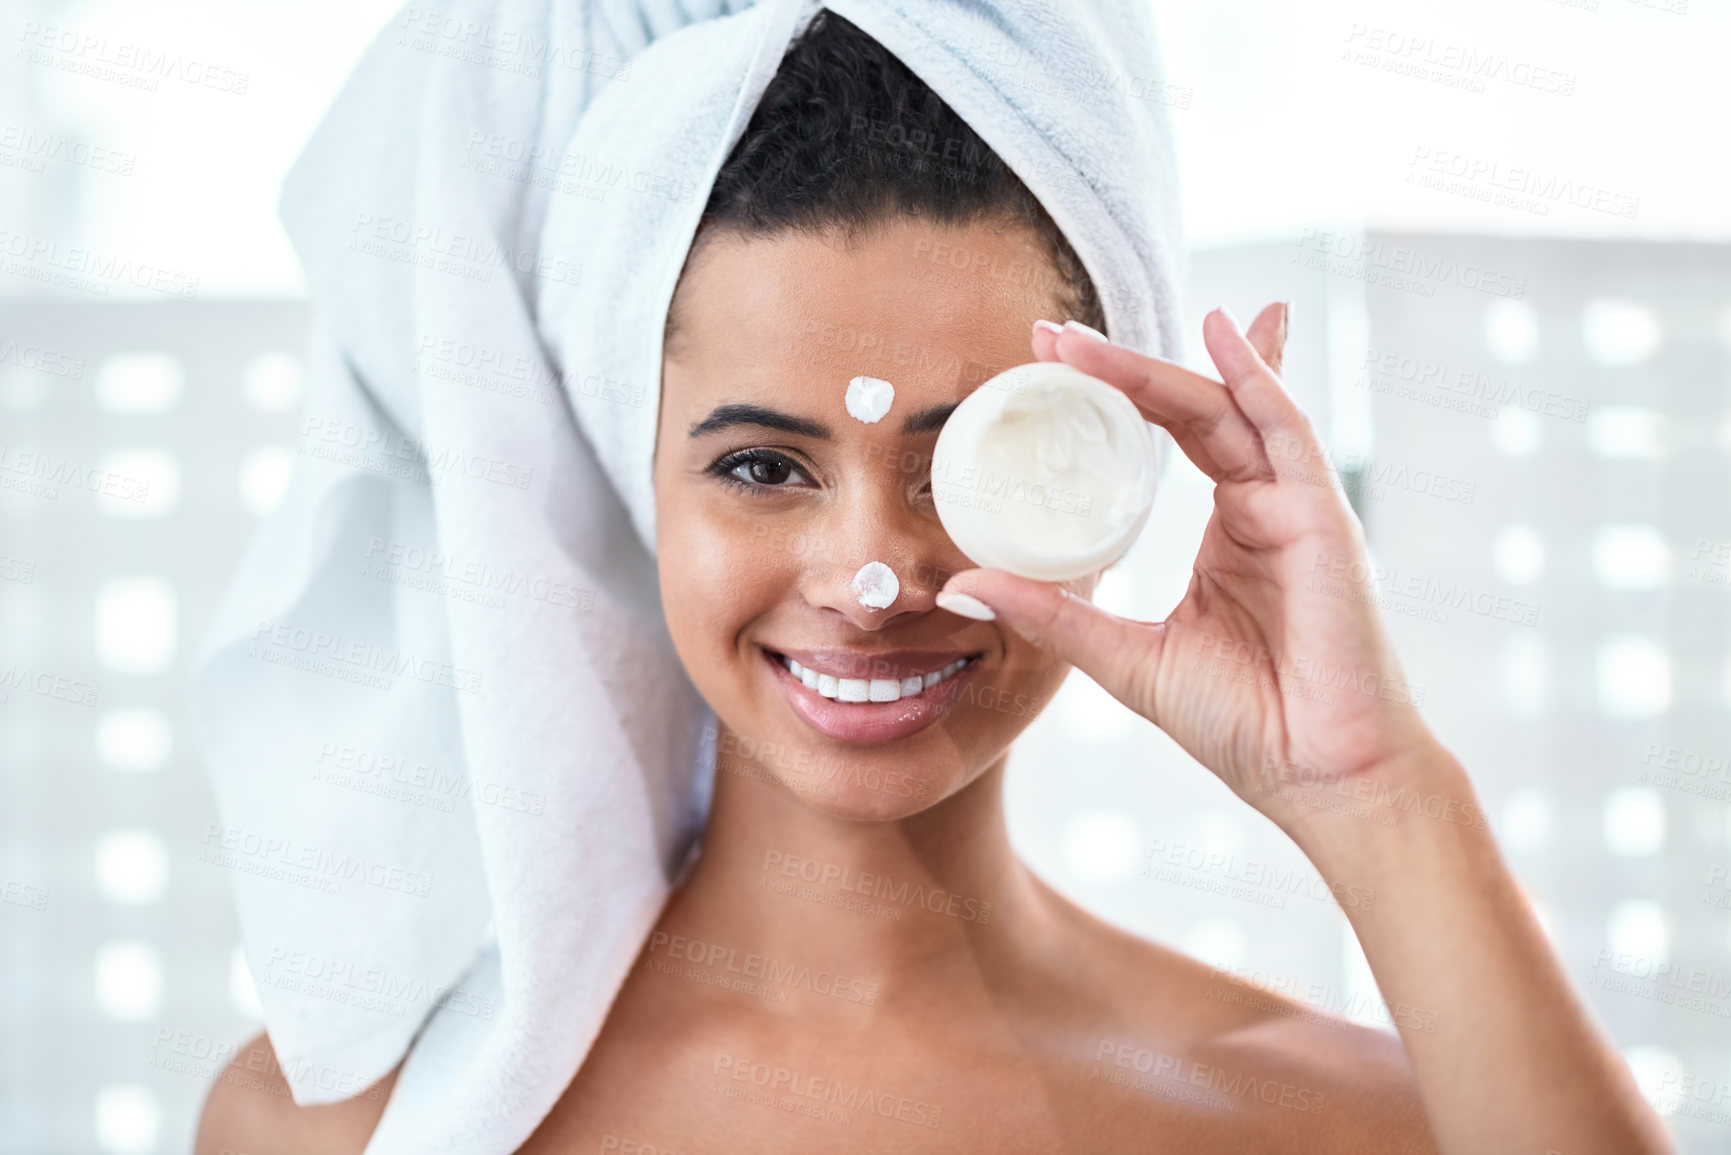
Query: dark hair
[[847, 137]]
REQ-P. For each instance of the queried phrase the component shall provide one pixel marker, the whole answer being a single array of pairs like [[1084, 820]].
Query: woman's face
[[771, 497]]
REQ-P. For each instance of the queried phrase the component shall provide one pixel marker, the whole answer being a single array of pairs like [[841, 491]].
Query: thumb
[[1119, 653]]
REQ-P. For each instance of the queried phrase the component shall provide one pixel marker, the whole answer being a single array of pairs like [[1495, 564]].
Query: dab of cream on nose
[[876, 585], [869, 398]]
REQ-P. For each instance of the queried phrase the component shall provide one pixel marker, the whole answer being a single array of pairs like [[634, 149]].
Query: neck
[[906, 903]]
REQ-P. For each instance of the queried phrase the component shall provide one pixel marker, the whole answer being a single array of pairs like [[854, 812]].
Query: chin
[[876, 783]]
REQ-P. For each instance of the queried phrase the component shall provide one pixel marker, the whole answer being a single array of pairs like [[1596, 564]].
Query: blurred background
[[1504, 228]]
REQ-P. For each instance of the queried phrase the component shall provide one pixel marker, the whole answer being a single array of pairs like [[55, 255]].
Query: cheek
[[1027, 681], [716, 578], [1036, 672]]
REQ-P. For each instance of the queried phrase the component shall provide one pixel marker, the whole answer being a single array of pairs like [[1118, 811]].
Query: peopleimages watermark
[[721, 965], [1319, 1002], [1463, 390], [1718, 889], [41, 359], [86, 270], [123, 62], [1292, 459], [1414, 595], [17, 569], [1711, 562], [984, 264], [389, 453], [816, 772], [366, 771], [15, 893], [520, 376], [864, 343], [1362, 796], [1693, 1096], [848, 880], [1021, 70], [1669, 7], [467, 578], [1172, 1075], [979, 487], [612, 1142], [40, 474], [1401, 267], [800, 1093], [580, 174], [470, 256], [304, 863], [1519, 187], [29, 149], [215, 1060], [1662, 980], [363, 663], [917, 150], [372, 988], [1687, 771], [1262, 883], [45, 684], [517, 376], [851, 553], [1296, 674], [1462, 66], [500, 47]]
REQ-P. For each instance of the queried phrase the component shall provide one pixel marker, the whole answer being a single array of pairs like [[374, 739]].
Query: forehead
[[934, 309]]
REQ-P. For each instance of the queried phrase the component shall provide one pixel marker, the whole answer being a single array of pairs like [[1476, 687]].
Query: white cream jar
[[1045, 472]]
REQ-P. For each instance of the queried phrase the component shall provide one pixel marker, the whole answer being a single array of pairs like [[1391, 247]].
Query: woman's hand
[[1274, 670], [1275, 673]]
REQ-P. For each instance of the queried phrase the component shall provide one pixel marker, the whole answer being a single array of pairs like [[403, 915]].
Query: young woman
[[857, 960]]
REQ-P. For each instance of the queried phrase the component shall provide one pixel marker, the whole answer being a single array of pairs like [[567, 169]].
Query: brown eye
[[760, 469], [768, 472]]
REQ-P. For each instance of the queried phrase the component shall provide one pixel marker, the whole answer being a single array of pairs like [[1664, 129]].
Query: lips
[[870, 699]]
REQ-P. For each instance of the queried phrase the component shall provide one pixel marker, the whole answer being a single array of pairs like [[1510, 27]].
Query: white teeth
[[871, 689]]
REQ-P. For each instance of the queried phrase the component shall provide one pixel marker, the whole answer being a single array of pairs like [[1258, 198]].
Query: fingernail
[[1078, 327], [1050, 326], [966, 606], [1285, 319], [1231, 320]]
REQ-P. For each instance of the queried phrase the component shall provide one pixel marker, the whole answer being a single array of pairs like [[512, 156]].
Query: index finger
[[1193, 407]]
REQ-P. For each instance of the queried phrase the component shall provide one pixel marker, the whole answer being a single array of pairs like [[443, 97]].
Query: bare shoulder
[[1292, 1074], [1358, 1080], [250, 1109]]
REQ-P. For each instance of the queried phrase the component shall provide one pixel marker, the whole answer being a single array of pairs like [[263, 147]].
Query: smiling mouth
[[844, 689]]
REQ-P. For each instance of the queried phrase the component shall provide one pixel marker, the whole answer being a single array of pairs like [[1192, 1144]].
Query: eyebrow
[[727, 416], [928, 420]]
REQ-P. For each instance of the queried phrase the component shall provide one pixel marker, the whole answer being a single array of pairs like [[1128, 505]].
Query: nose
[[854, 586], [873, 536]]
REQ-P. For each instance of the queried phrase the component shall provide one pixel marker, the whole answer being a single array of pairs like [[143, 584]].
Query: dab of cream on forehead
[[869, 398], [876, 585]]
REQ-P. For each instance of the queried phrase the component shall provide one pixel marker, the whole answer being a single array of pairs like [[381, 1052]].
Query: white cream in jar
[[1045, 472]]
